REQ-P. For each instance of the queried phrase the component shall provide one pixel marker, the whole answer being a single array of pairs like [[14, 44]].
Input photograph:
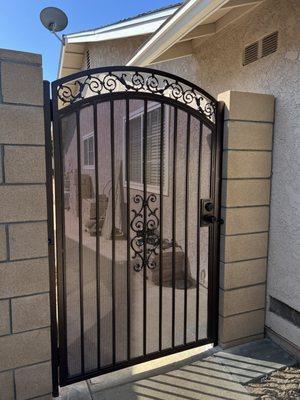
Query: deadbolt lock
[[208, 213]]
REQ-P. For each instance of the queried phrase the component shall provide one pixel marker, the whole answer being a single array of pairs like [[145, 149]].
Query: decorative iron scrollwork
[[145, 224], [143, 80]]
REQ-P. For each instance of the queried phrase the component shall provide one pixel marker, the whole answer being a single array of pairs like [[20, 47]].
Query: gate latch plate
[[207, 216]]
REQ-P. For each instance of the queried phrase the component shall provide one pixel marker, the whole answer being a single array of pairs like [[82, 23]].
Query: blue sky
[[20, 27]]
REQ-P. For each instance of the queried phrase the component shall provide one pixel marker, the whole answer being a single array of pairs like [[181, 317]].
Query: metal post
[[51, 241]]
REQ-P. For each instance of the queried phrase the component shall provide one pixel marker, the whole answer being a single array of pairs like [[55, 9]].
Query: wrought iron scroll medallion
[[145, 234]]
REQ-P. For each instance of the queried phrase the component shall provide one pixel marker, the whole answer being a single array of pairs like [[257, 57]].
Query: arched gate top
[[95, 82]]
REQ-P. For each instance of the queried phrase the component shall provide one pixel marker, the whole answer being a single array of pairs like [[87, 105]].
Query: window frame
[[137, 185], [84, 138]]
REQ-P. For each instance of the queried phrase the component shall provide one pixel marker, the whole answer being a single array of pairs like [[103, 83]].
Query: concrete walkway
[[217, 375]]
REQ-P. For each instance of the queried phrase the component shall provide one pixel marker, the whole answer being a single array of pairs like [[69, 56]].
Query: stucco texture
[[114, 52], [220, 69]]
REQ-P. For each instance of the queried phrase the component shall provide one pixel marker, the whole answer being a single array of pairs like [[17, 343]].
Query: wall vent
[[284, 311], [269, 44], [88, 60], [261, 48], [251, 53]]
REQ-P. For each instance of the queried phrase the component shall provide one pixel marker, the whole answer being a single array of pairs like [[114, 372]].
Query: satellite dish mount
[[55, 20]]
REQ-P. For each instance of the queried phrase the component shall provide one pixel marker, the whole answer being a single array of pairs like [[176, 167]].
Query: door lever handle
[[207, 213], [210, 219], [220, 221]]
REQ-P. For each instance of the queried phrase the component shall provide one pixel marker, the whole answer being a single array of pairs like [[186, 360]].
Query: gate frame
[[51, 109]]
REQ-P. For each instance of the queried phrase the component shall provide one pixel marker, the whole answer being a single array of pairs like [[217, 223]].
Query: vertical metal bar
[[214, 231], [216, 228], [161, 192], [60, 238], [210, 243], [113, 217], [127, 138], [174, 223], [79, 199], [186, 237], [51, 248], [145, 266], [97, 231], [198, 228]]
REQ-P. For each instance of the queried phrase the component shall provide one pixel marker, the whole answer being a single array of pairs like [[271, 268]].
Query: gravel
[[283, 385]]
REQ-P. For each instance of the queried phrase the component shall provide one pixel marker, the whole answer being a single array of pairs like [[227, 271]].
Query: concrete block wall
[[246, 174], [25, 368]]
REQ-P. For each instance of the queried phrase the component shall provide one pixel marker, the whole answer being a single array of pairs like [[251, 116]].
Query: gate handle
[[210, 219], [220, 221]]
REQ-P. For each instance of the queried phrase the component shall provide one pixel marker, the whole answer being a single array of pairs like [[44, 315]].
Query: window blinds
[[153, 148], [135, 130]]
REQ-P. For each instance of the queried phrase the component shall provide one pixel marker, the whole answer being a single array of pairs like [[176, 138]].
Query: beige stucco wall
[[119, 52], [217, 67], [114, 52]]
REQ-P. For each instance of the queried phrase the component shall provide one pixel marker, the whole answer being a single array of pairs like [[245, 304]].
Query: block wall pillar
[[247, 160], [25, 367]]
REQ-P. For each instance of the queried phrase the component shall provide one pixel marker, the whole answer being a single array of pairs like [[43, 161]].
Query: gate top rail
[[121, 79]]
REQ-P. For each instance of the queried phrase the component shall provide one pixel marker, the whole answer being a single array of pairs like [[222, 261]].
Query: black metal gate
[[137, 191]]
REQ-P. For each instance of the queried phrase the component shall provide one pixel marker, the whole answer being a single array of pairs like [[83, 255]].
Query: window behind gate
[[153, 149], [88, 151]]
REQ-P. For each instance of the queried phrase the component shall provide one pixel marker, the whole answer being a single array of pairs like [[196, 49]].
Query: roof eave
[[139, 26], [182, 22], [61, 59], [130, 31], [133, 22]]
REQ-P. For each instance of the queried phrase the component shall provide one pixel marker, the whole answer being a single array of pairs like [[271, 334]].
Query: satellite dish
[[54, 19]]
